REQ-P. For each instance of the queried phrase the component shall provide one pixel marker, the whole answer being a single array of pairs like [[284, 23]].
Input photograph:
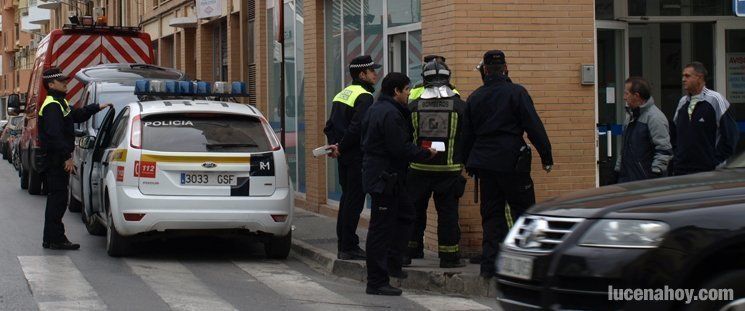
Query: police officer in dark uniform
[[497, 115], [418, 89], [437, 119], [388, 148], [57, 136], [343, 133]]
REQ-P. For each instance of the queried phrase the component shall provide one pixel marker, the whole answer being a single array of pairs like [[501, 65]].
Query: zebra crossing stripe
[[177, 286], [445, 303], [57, 284], [296, 286]]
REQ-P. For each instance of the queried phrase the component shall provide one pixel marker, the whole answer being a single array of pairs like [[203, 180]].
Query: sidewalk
[[314, 241]]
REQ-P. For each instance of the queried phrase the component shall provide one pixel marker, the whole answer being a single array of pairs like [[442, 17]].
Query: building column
[[204, 45]]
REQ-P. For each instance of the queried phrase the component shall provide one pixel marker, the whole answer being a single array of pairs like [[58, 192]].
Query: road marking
[[177, 286], [57, 284], [295, 286], [445, 303]]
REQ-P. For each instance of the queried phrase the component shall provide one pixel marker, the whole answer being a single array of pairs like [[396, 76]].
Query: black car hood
[[594, 203]]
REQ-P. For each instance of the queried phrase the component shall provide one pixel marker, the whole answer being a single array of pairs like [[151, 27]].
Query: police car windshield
[[204, 133], [118, 99]]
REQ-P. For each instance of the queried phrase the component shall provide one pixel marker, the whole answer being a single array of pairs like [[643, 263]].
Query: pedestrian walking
[[343, 134], [437, 119], [497, 115], [646, 149], [704, 132], [387, 144], [57, 136]]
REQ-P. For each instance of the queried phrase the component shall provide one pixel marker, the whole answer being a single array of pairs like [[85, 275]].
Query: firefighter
[[57, 136], [417, 90], [497, 116], [388, 148], [437, 118], [343, 134]]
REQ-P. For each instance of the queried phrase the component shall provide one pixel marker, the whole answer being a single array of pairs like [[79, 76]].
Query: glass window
[[415, 56], [735, 70], [680, 8], [118, 99], [604, 10], [374, 37], [334, 81], [352, 33], [121, 127], [404, 12], [204, 133]]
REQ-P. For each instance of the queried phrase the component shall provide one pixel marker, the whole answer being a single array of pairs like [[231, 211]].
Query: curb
[[457, 283]]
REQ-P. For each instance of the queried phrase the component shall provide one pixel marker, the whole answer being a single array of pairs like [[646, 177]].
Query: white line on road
[[296, 286], [177, 286], [57, 284], [445, 303]]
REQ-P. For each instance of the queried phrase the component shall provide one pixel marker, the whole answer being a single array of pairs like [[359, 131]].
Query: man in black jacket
[[343, 133], [497, 115], [57, 136], [388, 149]]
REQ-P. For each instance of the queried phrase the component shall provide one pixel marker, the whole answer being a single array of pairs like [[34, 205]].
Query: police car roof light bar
[[181, 89]]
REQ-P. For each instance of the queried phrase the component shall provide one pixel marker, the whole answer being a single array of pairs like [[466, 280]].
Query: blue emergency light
[[173, 88]]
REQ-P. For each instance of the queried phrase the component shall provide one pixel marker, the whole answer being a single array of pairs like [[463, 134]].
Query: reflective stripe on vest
[[417, 92], [349, 95], [450, 166], [65, 108]]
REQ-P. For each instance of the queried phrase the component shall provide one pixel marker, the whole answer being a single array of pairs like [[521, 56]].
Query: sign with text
[[209, 8], [739, 7], [736, 77]]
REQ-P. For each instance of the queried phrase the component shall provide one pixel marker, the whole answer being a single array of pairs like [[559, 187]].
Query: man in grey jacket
[[646, 149]]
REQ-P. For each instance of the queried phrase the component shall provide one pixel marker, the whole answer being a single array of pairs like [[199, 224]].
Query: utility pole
[[282, 73]]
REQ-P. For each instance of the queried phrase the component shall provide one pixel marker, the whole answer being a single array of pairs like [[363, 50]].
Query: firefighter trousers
[[498, 188], [446, 190]]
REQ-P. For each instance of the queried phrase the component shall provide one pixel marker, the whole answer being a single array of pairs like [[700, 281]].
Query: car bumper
[[579, 278], [202, 213]]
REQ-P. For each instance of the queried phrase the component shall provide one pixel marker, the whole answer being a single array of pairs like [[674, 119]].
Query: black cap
[[494, 57], [363, 62], [432, 57], [54, 73]]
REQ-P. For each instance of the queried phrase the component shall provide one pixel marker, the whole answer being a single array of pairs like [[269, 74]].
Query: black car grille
[[540, 234]]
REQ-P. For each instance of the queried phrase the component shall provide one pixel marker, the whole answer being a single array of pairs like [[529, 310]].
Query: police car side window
[[119, 126]]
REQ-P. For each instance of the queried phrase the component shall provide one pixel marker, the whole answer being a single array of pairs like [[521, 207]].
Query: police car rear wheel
[[278, 247], [116, 245]]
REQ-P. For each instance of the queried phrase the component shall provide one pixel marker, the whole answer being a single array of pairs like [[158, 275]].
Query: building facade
[[571, 55]]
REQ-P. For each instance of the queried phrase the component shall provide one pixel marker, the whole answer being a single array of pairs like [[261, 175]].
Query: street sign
[[739, 7]]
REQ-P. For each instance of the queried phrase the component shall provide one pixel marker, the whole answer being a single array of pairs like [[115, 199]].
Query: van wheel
[[92, 225], [24, 178], [278, 247], [34, 182], [72, 203], [734, 280], [116, 245]]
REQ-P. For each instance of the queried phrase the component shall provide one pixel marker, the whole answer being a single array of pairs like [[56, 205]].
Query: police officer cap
[[54, 73], [363, 62], [432, 57], [494, 57]]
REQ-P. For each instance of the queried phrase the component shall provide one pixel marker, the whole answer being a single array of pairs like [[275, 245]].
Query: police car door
[[98, 160]]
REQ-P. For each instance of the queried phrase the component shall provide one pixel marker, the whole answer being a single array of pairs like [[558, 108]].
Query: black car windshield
[[119, 99]]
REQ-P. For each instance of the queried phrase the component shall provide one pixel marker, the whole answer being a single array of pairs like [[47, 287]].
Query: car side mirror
[[87, 142], [80, 133], [14, 101]]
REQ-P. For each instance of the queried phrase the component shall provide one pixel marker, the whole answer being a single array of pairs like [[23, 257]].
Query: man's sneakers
[[385, 290], [65, 245], [355, 254]]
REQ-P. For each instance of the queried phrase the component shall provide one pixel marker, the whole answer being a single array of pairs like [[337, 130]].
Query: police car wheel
[[92, 225], [116, 245], [278, 247], [734, 280]]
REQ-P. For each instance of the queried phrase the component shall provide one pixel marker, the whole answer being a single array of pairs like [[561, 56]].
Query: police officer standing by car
[[388, 148], [437, 119], [343, 134], [497, 115], [57, 136]]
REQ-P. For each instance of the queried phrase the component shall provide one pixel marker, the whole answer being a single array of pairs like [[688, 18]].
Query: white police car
[[175, 164]]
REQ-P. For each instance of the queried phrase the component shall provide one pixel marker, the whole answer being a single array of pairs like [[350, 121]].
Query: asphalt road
[[176, 274]]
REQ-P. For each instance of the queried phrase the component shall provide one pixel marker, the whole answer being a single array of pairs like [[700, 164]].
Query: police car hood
[[597, 202]]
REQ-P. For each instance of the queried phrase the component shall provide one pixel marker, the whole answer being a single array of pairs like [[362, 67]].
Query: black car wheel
[[734, 280]]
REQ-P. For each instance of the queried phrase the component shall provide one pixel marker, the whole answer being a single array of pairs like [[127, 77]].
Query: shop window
[[680, 8]]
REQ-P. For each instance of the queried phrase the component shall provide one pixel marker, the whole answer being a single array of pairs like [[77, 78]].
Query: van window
[[118, 99], [204, 133]]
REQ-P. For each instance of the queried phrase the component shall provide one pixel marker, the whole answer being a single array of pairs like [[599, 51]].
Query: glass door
[[612, 70], [730, 49], [405, 54]]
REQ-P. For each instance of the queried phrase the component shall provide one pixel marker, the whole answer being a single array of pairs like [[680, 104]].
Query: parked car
[[71, 48], [108, 83], [16, 156], [684, 232], [10, 132], [173, 167]]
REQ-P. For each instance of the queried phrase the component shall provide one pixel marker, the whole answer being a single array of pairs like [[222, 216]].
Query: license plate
[[515, 266], [208, 179]]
